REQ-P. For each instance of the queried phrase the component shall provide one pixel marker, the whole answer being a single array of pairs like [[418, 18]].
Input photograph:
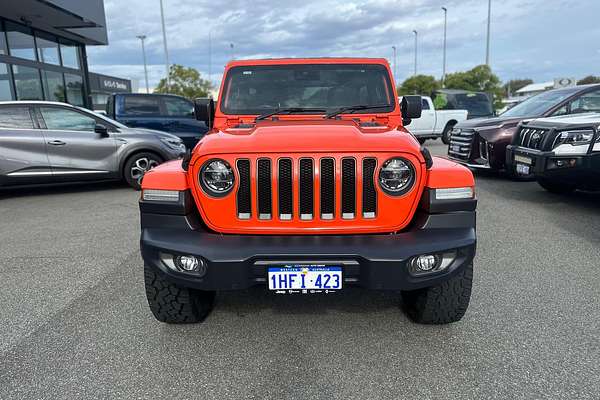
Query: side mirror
[[101, 129], [204, 110], [411, 108]]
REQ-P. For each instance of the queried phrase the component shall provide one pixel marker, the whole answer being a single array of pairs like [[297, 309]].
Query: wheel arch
[[127, 156]]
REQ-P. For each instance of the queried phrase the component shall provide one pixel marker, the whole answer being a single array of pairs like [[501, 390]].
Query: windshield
[[265, 88], [536, 106]]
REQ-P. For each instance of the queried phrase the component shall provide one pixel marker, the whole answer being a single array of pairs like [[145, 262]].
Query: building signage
[[564, 82], [112, 84]]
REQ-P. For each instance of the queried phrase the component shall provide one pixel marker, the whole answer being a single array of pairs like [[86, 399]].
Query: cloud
[[541, 39]]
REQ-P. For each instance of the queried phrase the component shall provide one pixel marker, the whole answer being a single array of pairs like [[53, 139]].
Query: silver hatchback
[[47, 142]]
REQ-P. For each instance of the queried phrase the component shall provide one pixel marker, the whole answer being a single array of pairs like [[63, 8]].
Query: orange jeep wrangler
[[308, 182]]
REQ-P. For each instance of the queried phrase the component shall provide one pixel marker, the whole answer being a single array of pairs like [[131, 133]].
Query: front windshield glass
[[261, 89], [536, 106]]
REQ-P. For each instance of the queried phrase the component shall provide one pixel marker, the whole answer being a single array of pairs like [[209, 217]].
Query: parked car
[[562, 152], [163, 112], [46, 142], [434, 123], [478, 104], [482, 143], [308, 183]]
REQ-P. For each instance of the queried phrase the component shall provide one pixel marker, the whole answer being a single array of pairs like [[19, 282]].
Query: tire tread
[[441, 304], [174, 304]]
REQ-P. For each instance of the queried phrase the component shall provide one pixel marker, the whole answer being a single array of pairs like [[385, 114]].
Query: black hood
[[483, 122]]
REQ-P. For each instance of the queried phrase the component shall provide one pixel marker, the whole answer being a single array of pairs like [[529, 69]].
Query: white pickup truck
[[434, 123]]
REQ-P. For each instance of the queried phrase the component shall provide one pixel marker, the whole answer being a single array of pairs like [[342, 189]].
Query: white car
[[434, 123]]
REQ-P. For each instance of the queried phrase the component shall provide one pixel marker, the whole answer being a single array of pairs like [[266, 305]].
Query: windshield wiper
[[289, 110], [356, 108]]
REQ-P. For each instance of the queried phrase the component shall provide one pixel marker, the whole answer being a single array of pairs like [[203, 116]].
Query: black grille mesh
[[369, 195], [264, 188], [306, 187], [244, 204], [327, 186], [348, 187], [285, 187]]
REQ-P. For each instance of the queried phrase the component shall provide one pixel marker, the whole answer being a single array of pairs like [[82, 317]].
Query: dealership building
[[43, 52]]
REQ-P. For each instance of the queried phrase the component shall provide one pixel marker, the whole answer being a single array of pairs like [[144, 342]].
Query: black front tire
[[446, 134], [441, 304], [137, 165], [556, 187], [175, 304]]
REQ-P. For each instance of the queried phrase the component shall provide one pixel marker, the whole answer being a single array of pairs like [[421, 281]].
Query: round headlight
[[396, 176], [216, 177]]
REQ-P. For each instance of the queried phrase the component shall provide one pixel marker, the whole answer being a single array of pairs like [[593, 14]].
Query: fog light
[[431, 263], [187, 263], [426, 263]]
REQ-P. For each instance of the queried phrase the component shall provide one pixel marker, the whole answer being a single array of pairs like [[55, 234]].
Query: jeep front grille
[[461, 142], [306, 178]]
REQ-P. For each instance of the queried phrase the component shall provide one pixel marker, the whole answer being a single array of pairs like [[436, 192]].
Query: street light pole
[[142, 38], [489, 22], [395, 71], [209, 56], [416, 39], [164, 32], [445, 29]]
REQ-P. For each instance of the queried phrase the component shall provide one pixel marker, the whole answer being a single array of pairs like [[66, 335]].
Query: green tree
[[419, 84], [185, 82], [513, 85], [589, 79], [479, 79]]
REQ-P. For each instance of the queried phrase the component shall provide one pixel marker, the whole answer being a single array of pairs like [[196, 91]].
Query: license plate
[[523, 169], [523, 159], [455, 148], [305, 279]]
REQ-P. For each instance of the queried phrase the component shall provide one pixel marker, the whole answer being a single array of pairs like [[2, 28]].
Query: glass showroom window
[[47, 50], [27, 83], [70, 55], [54, 86], [20, 41], [74, 85], [4, 83]]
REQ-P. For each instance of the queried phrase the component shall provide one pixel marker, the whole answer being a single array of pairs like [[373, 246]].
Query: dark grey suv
[[46, 142]]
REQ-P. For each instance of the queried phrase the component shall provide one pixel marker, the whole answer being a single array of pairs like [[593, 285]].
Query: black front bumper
[[376, 261], [584, 173]]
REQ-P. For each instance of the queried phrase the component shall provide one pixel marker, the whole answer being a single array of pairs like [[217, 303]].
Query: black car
[[562, 152], [481, 143]]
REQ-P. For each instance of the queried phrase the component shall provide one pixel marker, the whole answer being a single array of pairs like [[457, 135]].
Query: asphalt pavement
[[74, 321]]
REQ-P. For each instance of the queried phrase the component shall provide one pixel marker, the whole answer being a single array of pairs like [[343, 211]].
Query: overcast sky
[[538, 39]]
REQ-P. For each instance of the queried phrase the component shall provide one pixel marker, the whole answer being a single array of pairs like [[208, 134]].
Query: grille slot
[[348, 188], [244, 202], [286, 190], [306, 189], [327, 194], [369, 194], [264, 188]]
